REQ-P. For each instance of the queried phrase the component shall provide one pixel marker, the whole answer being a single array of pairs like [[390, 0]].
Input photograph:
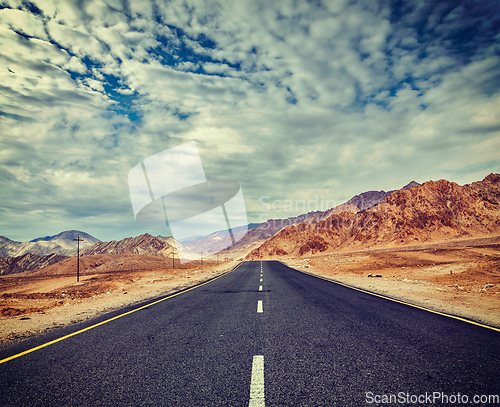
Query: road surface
[[261, 335]]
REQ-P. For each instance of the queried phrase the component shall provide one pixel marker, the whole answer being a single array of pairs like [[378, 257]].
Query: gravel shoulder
[[33, 305]]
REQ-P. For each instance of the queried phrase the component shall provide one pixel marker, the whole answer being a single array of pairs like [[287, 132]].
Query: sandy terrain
[[32, 304]]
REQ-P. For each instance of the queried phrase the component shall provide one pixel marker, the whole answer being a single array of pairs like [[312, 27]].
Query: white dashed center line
[[260, 288], [257, 396], [259, 307]]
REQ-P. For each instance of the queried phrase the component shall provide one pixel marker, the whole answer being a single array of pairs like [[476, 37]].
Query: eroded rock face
[[435, 210], [27, 262], [314, 245], [143, 244]]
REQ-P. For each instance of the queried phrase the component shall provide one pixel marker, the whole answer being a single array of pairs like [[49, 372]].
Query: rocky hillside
[[370, 199], [357, 203], [105, 263], [27, 262], [61, 244], [144, 244], [435, 210]]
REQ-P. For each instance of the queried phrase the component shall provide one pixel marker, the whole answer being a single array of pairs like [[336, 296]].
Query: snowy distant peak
[[61, 244], [191, 239], [68, 236], [5, 240]]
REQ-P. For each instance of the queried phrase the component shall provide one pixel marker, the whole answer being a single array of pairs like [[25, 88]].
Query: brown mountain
[[435, 210], [369, 199], [488, 189], [144, 244], [105, 263], [27, 262], [357, 203]]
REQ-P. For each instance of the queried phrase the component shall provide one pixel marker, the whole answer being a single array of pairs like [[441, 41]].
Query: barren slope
[[27, 262], [144, 244], [436, 210]]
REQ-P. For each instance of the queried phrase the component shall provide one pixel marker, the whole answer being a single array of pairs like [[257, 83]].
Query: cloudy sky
[[296, 100]]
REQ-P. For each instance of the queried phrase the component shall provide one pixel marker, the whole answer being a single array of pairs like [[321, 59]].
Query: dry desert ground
[[32, 304]]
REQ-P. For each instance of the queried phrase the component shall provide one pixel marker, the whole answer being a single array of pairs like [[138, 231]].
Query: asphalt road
[[297, 341]]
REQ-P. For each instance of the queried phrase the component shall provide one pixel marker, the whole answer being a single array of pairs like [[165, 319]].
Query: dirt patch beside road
[[30, 305]]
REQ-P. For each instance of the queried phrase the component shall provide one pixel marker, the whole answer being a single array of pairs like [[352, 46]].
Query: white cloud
[[332, 99], [75, 65], [76, 39], [95, 85], [24, 22]]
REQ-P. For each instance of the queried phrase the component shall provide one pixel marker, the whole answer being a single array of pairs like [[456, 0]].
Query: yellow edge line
[[399, 301], [111, 319]]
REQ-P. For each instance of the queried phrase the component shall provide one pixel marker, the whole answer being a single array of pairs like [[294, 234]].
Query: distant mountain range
[[61, 244], [414, 213], [144, 244], [354, 205], [44, 251], [218, 241], [17, 257], [435, 210]]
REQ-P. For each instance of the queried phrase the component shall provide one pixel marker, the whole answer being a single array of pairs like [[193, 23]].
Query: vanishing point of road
[[261, 335]]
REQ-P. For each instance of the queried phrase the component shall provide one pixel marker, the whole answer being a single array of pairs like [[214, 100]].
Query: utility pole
[[78, 257], [217, 259], [201, 254], [173, 256]]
